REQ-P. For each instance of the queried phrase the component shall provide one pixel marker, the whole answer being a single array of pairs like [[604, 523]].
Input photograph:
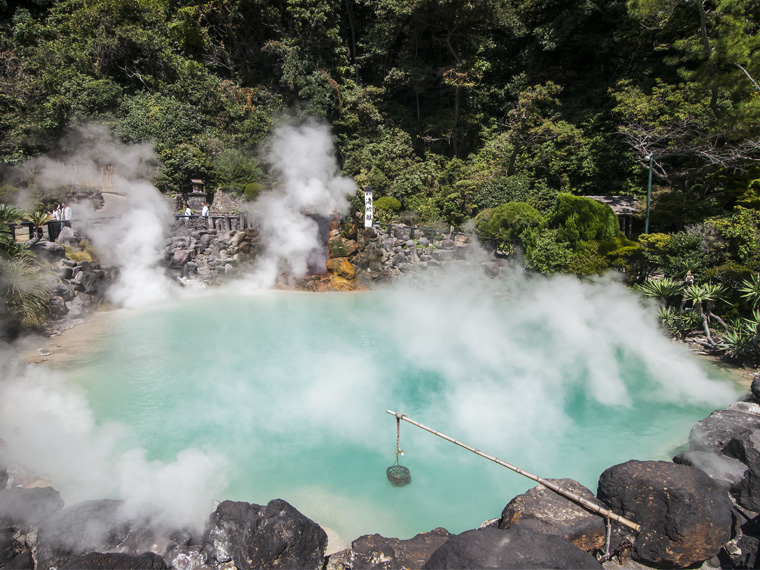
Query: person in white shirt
[[204, 210], [66, 212]]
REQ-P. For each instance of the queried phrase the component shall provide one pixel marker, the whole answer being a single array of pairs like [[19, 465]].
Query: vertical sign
[[368, 207]]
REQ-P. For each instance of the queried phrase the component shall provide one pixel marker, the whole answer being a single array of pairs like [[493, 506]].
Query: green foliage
[[547, 252], [515, 188], [385, 208], [508, 223], [234, 169], [252, 191], [24, 290], [741, 231], [579, 220], [750, 290]]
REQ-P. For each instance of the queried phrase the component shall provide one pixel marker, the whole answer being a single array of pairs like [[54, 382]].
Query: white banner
[[368, 207]]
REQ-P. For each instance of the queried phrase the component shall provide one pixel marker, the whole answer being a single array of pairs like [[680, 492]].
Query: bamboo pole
[[545, 482]]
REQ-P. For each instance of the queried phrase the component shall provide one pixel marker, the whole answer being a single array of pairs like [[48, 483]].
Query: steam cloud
[[485, 351], [132, 237], [308, 185]]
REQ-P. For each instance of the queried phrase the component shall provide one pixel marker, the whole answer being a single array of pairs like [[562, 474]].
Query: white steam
[[308, 185], [49, 428], [130, 232]]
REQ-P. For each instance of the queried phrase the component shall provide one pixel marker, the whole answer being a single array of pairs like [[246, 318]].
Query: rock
[[186, 558], [370, 233], [48, 250], [746, 448], [86, 281], [443, 254], [542, 510], [746, 407], [272, 536], [115, 561], [685, 516], [100, 527], [68, 237], [342, 247], [377, 552], [341, 267], [511, 548], [7, 550], [727, 471], [755, 387], [491, 268], [715, 431], [29, 506], [57, 307], [180, 257], [448, 244]]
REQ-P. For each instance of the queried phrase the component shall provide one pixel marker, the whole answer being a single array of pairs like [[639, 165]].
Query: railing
[[221, 222], [54, 228]]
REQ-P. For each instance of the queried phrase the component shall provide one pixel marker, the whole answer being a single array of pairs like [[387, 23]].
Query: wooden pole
[[545, 482]]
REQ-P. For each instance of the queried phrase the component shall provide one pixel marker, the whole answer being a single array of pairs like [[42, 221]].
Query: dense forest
[[494, 115]]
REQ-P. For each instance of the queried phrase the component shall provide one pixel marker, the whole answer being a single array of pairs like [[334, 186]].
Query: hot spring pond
[[291, 390]]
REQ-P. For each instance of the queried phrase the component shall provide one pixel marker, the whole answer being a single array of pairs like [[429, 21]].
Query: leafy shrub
[[385, 208], [508, 222], [252, 191], [516, 188], [546, 252], [581, 220]]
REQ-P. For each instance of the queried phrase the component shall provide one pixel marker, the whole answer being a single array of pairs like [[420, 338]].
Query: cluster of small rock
[[380, 255], [76, 288], [196, 252]]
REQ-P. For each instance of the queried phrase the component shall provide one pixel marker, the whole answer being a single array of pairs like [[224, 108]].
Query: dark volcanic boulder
[[715, 431], [29, 506], [371, 552], [80, 529], [511, 548], [745, 447], [271, 536], [685, 516], [115, 561], [542, 510]]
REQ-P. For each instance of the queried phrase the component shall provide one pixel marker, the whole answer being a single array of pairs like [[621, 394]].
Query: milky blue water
[[293, 390]]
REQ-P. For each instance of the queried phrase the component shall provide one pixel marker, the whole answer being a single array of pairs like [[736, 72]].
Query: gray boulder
[[115, 561], [542, 510], [745, 447], [715, 431], [685, 516], [69, 237], [29, 506], [511, 548], [257, 537], [375, 552]]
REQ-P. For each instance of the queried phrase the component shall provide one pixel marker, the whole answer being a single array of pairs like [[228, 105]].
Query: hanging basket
[[398, 475]]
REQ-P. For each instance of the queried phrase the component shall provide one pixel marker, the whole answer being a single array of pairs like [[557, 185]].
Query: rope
[[399, 451]]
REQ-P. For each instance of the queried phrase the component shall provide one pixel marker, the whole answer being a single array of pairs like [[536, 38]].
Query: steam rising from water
[[505, 354], [309, 184], [132, 238]]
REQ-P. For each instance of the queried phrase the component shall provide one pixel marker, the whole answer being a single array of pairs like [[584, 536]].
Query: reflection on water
[[293, 389]]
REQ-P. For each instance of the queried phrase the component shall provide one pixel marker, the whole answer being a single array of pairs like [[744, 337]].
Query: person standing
[[204, 211], [66, 212]]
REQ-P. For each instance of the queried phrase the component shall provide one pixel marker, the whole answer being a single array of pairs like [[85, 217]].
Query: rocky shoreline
[[703, 508]]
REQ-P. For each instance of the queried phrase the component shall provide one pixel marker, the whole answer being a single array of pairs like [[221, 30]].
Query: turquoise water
[[293, 390]]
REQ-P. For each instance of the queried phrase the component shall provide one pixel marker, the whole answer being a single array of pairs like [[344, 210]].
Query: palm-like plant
[[39, 218], [750, 290], [665, 289], [9, 214], [24, 289], [703, 298]]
